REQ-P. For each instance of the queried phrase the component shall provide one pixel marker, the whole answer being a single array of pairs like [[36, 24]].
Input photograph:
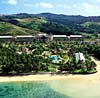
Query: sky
[[67, 7]]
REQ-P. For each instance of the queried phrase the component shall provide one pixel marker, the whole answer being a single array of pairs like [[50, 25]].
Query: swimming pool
[[55, 58]]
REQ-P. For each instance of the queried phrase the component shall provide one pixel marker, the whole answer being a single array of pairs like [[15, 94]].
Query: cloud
[[12, 2], [91, 9], [98, 0], [86, 8], [63, 6], [44, 5], [27, 5]]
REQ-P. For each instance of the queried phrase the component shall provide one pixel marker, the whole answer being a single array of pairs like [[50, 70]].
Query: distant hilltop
[[26, 24], [50, 16]]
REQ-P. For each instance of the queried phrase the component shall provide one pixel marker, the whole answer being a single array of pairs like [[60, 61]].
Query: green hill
[[91, 27], [31, 23], [21, 26], [26, 24], [87, 24], [10, 29]]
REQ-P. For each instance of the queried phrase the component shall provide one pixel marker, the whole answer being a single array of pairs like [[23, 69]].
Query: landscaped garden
[[43, 57]]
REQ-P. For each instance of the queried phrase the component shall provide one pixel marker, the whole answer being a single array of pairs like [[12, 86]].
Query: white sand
[[92, 77]]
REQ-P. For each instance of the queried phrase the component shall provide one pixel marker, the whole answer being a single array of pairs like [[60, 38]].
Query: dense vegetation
[[31, 23], [93, 49], [36, 58], [55, 28], [77, 24], [81, 67]]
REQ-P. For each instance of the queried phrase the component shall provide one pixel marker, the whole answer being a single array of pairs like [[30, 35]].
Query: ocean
[[51, 89]]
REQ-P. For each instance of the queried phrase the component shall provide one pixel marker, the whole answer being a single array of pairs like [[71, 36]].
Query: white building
[[76, 37], [79, 56], [6, 38], [24, 38], [60, 38]]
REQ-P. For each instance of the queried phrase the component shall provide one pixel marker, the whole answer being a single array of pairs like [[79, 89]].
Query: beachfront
[[45, 77]]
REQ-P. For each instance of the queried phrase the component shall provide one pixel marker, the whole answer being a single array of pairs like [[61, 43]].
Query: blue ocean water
[[28, 90]]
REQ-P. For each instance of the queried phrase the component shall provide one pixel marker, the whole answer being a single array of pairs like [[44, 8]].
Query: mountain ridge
[[54, 23]]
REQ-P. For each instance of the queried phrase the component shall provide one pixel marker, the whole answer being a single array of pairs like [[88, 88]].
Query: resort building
[[25, 38], [59, 38], [76, 37], [6, 38], [43, 37], [79, 57]]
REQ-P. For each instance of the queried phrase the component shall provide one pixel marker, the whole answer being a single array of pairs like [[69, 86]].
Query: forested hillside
[[26, 24]]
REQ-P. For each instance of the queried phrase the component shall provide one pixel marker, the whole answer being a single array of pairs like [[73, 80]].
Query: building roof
[[59, 36], [24, 36], [76, 36], [42, 34], [6, 36], [79, 56]]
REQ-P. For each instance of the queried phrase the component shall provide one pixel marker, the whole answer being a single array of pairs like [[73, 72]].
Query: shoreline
[[49, 76], [37, 77]]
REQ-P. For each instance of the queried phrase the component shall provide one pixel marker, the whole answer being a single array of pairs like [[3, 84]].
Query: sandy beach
[[45, 77]]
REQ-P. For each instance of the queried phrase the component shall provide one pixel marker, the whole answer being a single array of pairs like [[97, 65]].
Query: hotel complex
[[41, 37]]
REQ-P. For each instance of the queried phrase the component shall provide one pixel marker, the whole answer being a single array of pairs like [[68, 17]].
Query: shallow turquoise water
[[70, 88], [77, 87], [28, 90]]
